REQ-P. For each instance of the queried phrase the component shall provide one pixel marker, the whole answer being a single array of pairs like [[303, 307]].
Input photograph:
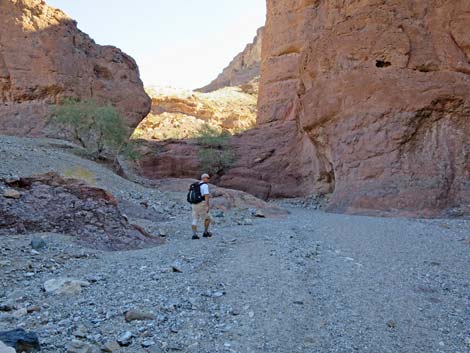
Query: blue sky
[[179, 43]]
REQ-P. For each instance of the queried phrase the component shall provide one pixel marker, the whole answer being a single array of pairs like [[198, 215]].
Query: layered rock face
[[44, 58], [242, 69], [181, 114], [378, 95]]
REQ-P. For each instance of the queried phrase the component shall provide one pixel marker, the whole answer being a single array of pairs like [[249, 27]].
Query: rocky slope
[[44, 57], [376, 98], [242, 69], [180, 114]]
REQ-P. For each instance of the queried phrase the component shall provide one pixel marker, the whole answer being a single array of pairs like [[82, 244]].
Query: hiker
[[198, 196]]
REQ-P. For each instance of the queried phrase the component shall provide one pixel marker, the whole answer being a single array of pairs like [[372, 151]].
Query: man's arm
[[206, 197]]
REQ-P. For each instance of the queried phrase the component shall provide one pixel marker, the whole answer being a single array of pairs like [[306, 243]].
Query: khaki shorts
[[200, 212]]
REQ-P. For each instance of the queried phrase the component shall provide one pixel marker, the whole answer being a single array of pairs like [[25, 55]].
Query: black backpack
[[194, 193]]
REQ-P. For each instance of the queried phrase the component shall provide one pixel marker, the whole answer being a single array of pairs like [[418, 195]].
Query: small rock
[[259, 214], [38, 243], [110, 346], [251, 314], [33, 308], [78, 347], [391, 324], [5, 263], [80, 332], [7, 306], [245, 222], [125, 339], [21, 340], [5, 349], [162, 233], [176, 267], [219, 214], [11, 194], [20, 313], [65, 286], [148, 343], [134, 315]]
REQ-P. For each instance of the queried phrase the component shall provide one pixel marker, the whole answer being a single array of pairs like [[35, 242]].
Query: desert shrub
[[215, 161], [210, 136], [99, 129], [216, 154]]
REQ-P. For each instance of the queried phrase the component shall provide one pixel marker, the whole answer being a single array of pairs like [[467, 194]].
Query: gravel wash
[[309, 282]]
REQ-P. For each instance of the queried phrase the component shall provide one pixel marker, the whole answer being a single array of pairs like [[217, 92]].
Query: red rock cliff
[[44, 57], [242, 69], [376, 98]]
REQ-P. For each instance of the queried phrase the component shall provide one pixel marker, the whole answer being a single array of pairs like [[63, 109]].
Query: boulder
[[53, 204]]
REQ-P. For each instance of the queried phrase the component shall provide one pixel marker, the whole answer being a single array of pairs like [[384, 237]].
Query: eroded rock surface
[[376, 97], [44, 57], [242, 69], [50, 203], [180, 114]]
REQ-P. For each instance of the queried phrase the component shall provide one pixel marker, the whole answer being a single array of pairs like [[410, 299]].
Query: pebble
[[65, 285], [110, 346], [38, 243], [78, 347], [80, 332], [125, 339], [135, 315], [148, 343], [11, 194], [20, 313], [258, 213]]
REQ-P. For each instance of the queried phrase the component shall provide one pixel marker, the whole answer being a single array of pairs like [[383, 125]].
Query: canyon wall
[[244, 68], [378, 94], [44, 57], [182, 114]]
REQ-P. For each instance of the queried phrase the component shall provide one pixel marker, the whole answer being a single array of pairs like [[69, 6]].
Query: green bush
[[210, 136], [216, 154], [215, 161], [99, 129]]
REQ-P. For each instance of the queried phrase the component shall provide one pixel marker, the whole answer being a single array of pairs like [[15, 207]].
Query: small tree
[[215, 154], [100, 129]]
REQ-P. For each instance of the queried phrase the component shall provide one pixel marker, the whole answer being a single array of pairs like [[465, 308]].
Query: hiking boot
[[207, 234], [195, 237]]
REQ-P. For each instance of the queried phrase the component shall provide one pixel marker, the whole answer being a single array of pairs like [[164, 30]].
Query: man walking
[[200, 210]]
